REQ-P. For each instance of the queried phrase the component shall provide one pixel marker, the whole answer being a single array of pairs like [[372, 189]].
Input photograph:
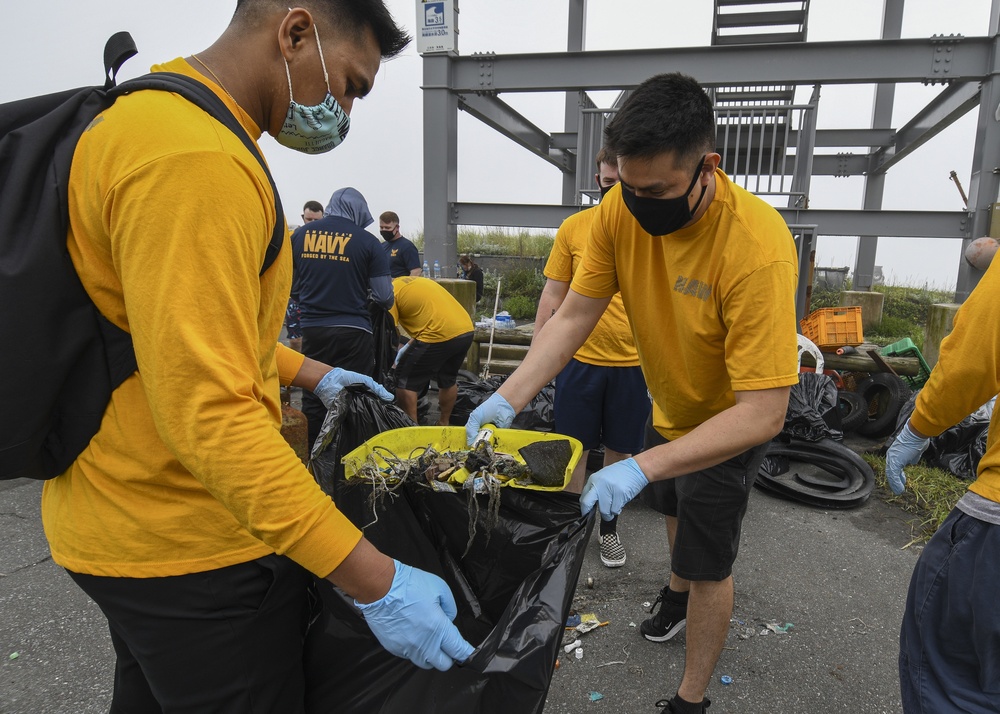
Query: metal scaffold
[[765, 80]]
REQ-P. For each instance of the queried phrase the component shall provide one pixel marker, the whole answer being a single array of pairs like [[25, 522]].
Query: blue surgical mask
[[316, 129]]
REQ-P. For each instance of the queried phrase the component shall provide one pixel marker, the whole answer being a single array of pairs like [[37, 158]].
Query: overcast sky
[[56, 44]]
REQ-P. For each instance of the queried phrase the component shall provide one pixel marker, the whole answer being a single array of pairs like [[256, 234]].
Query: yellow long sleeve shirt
[[170, 216], [967, 374]]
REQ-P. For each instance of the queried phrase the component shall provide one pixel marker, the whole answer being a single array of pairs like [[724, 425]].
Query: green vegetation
[[519, 292], [930, 494], [521, 307], [500, 241]]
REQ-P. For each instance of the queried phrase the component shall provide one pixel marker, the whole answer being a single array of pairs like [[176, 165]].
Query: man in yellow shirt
[[440, 332], [949, 659], [707, 274], [601, 395], [187, 518]]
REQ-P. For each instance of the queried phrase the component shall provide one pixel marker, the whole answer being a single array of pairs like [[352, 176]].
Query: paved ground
[[838, 577]]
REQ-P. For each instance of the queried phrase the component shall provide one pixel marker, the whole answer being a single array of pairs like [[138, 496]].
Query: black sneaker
[[668, 705], [665, 623]]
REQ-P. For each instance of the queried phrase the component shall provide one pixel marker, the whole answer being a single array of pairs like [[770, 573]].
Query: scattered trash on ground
[[14, 655], [590, 582], [779, 629], [596, 696], [579, 652], [726, 679], [623, 661], [575, 644]]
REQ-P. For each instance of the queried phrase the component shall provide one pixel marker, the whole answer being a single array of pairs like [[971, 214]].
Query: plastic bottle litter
[[427, 269], [579, 652], [437, 269]]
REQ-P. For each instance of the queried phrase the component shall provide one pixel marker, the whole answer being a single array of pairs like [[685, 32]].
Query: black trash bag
[[356, 416], [538, 415], [958, 449], [386, 340], [513, 588], [813, 413]]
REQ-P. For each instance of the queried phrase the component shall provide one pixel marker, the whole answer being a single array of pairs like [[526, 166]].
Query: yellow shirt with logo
[[967, 374], [169, 219], [427, 311], [712, 306], [611, 343]]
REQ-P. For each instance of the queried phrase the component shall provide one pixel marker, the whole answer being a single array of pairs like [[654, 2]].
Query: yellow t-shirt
[[712, 306], [169, 219], [967, 374], [611, 343], [427, 311]]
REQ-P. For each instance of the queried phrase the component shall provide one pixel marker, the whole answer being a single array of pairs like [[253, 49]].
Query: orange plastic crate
[[833, 327]]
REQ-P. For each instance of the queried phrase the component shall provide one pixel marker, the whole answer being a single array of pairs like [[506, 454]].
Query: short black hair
[[351, 16], [314, 206], [666, 113]]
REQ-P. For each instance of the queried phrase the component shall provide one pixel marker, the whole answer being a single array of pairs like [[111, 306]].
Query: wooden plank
[[904, 366]]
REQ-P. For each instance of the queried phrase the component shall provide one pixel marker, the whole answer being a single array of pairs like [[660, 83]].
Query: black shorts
[[709, 506], [439, 361]]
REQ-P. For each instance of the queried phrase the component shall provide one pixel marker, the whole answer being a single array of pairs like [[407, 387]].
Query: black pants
[[226, 641], [344, 347]]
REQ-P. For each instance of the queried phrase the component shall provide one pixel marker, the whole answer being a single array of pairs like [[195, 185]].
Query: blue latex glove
[[905, 451], [336, 379], [496, 410], [414, 620], [612, 487]]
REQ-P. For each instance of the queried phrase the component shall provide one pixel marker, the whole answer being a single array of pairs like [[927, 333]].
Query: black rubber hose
[[853, 483]]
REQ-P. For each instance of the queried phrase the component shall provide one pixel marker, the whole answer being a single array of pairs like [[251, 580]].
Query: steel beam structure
[[968, 68], [920, 60], [496, 113], [885, 95], [440, 161], [834, 222], [985, 183], [944, 110]]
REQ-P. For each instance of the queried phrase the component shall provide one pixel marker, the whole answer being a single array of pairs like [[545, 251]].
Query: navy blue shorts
[[709, 506], [439, 361], [602, 405], [949, 644]]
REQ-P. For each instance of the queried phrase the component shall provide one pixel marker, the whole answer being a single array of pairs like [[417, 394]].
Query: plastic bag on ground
[[812, 412], [958, 449], [513, 589]]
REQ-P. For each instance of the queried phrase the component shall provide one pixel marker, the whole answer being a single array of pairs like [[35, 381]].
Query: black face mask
[[605, 189], [387, 235], [660, 216]]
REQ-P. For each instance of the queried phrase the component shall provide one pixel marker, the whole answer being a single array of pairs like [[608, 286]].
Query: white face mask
[[316, 129]]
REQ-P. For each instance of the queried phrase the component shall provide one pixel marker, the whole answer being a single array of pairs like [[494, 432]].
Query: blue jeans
[[949, 644]]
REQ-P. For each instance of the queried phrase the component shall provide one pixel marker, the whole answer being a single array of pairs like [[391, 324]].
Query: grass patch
[[930, 494], [500, 241]]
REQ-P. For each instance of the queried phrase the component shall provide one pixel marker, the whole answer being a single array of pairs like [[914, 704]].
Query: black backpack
[[60, 359]]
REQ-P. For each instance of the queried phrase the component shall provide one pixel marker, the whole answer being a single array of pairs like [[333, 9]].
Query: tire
[[886, 394], [853, 410]]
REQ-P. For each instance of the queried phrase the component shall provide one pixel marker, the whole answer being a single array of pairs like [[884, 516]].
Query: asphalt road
[[839, 577]]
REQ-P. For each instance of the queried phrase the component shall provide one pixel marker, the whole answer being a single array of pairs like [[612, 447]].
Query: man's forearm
[[309, 375], [727, 434]]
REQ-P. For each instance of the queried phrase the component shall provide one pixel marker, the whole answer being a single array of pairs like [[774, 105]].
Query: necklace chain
[[214, 76]]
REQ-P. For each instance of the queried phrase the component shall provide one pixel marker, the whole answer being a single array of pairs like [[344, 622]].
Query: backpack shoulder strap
[[203, 97]]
